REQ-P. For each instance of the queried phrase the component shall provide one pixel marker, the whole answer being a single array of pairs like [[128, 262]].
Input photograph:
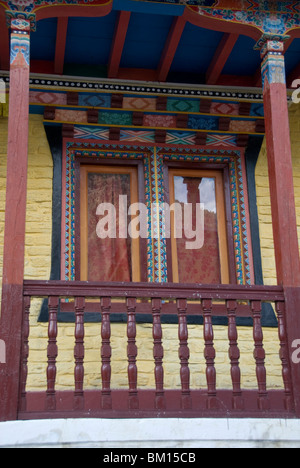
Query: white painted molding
[[154, 433]]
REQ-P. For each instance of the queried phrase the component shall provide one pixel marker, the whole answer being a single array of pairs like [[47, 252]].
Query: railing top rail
[[153, 290]]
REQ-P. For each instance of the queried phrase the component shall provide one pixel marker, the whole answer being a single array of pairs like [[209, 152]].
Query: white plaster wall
[[153, 433]]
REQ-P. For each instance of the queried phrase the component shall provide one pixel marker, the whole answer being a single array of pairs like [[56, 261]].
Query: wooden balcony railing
[[207, 302]]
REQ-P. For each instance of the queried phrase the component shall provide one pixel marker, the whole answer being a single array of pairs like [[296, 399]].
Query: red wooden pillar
[[15, 214], [282, 191]]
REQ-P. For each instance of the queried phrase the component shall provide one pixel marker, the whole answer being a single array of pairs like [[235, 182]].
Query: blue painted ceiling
[[89, 44]]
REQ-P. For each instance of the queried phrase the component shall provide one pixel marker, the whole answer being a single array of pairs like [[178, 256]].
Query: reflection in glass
[[199, 265]]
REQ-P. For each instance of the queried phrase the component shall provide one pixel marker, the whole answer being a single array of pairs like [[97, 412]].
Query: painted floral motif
[[160, 121], [22, 3], [63, 115], [19, 55], [242, 126]]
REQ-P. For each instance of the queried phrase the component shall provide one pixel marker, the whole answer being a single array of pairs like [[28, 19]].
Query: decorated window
[[211, 176], [199, 244], [107, 252]]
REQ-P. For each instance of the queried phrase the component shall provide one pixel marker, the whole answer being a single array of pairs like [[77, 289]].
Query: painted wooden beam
[[170, 48], [118, 43], [4, 42], [60, 49], [15, 220], [220, 58]]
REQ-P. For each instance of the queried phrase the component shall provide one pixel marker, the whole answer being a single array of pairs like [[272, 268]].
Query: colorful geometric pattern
[[88, 133], [47, 99], [139, 103], [224, 108], [94, 100], [154, 194], [221, 141], [180, 105], [148, 136]]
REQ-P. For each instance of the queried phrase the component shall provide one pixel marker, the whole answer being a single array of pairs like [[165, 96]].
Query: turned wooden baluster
[[25, 352], [284, 356], [234, 356], [132, 352], [260, 355], [184, 355], [79, 353], [158, 353], [52, 352], [210, 355], [106, 399]]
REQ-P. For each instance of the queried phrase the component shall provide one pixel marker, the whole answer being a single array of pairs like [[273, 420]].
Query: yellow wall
[[263, 197], [37, 266]]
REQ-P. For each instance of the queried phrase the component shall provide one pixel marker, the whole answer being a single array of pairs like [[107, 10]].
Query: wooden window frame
[[223, 169], [115, 163]]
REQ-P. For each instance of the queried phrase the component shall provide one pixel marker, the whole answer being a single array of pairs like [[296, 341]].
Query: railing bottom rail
[[92, 406]]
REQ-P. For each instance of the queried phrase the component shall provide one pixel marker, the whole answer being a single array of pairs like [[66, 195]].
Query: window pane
[[198, 265], [109, 259]]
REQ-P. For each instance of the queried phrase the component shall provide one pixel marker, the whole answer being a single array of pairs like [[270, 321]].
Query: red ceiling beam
[[4, 42], [220, 58], [61, 39], [118, 43], [170, 48]]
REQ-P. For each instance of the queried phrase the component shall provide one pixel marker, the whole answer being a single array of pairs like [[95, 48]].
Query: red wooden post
[[282, 192], [259, 356], [132, 352], [158, 354], [79, 353], [52, 352], [234, 356], [184, 355], [280, 163], [284, 356], [106, 399], [25, 353], [210, 355], [15, 213]]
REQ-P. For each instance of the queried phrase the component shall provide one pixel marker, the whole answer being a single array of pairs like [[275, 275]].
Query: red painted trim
[[118, 43], [220, 58], [65, 405], [138, 74], [4, 42], [42, 66], [61, 39], [232, 80], [170, 48], [86, 11]]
